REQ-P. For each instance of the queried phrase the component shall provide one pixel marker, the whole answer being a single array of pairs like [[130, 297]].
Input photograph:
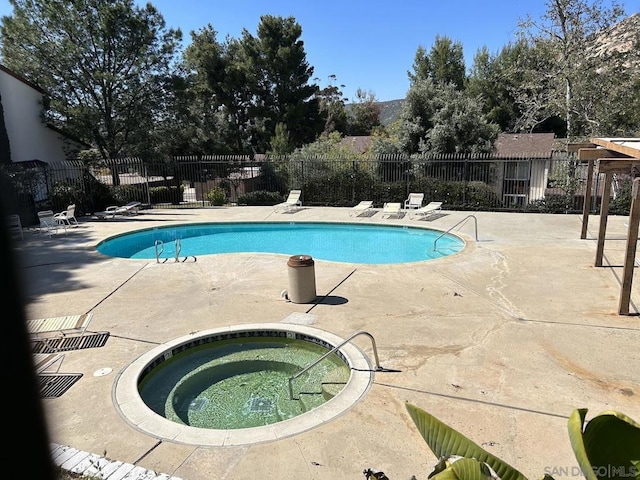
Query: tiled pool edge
[[133, 410]]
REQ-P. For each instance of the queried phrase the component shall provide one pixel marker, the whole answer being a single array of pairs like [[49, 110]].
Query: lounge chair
[[49, 223], [361, 208], [391, 209], [130, 208], [43, 362], [292, 202], [67, 216], [15, 226], [62, 326], [427, 210], [414, 201]]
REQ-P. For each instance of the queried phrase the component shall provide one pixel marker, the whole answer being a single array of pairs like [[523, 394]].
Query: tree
[[332, 105], [489, 82], [364, 114], [103, 63], [222, 85], [567, 29], [444, 63], [280, 82]]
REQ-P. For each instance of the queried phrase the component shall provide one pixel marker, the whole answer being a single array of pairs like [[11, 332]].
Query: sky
[[366, 45]]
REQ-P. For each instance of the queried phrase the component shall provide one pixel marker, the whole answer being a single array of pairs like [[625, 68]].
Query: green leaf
[[607, 447], [444, 441], [464, 469]]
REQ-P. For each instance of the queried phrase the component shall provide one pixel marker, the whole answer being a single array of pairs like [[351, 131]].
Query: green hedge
[[260, 197]]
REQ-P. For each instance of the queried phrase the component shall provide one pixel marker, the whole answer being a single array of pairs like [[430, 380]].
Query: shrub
[[260, 197], [216, 196], [171, 194]]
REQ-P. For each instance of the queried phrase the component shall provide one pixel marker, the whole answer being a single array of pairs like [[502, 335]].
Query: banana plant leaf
[[462, 469], [445, 441], [607, 447]]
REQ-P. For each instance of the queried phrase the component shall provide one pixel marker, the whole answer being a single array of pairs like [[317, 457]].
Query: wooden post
[[587, 200], [604, 213], [630, 258]]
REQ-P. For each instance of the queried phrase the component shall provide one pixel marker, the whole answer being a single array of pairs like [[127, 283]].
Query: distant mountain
[[390, 110]]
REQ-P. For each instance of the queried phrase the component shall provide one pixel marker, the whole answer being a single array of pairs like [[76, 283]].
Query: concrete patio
[[501, 341]]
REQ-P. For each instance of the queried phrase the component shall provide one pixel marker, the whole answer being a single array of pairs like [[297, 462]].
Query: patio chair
[[414, 201], [423, 212], [49, 224], [61, 326], [361, 208], [43, 362], [292, 202], [391, 209], [67, 216], [130, 208], [15, 226], [51, 331]]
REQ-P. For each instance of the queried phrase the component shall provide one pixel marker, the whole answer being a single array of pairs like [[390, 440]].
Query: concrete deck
[[501, 342]]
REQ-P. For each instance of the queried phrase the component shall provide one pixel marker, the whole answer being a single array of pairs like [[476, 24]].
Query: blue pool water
[[339, 242]]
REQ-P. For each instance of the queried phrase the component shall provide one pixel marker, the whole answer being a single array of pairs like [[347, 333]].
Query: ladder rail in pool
[[475, 221], [159, 247], [334, 349]]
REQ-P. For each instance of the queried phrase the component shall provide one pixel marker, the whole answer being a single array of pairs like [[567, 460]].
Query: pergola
[[609, 156]]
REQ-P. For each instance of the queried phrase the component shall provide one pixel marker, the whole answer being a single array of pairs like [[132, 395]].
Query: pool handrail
[[334, 349], [451, 228]]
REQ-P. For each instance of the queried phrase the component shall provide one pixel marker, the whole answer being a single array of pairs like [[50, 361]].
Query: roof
[[22, 79], [530, 145], [359, 144]]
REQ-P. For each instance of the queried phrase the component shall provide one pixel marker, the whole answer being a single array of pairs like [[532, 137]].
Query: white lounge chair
[[391, 208], [427, 210], [49, 224], [414, 201], [43, 362], [292, 202], [67, 216], [361, 208], [130, 208]]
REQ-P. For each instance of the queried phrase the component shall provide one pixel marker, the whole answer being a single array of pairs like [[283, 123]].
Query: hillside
[[390, 110]]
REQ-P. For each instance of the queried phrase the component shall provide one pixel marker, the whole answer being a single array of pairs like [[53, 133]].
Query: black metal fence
[[552, 184]]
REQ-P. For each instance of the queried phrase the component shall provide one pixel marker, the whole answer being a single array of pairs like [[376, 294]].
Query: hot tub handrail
[[334, 349], [475, 220]]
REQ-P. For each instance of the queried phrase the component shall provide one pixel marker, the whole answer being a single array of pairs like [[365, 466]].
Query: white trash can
[[302, 279]]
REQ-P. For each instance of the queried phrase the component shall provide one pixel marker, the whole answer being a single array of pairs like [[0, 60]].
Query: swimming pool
[[339, 242]]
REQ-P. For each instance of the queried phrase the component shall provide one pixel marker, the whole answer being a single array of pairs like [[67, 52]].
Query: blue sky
[[365, 44]]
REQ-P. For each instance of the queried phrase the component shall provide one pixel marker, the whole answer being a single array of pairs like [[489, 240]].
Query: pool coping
[[136, 413]]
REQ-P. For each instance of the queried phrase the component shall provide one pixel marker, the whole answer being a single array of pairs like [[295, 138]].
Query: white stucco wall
[[29, 137]]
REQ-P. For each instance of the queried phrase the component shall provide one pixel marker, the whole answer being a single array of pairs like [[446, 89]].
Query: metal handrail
[[334, 349], [159, 244], [461, 221]]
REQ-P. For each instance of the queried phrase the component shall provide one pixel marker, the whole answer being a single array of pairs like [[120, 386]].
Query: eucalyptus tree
[[364, 113], [332, 106], [443, 64], [566, 31], [103, 63]]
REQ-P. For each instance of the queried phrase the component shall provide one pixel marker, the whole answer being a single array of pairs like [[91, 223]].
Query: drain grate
[[65, 344], [54, 385], [261, 405]]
